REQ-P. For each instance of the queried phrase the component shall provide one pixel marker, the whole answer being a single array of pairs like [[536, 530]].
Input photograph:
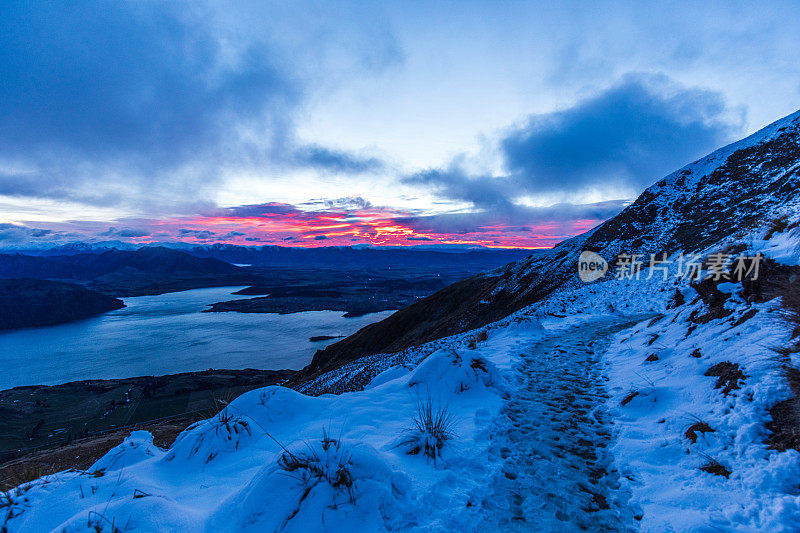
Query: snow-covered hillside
[[627, 404]]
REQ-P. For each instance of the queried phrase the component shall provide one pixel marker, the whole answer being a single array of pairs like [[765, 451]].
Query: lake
[[167, 334]]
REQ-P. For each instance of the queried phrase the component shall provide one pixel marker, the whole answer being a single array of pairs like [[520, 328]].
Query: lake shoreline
[[168, 334]]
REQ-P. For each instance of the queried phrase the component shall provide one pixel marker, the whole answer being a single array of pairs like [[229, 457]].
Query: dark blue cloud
[[15, 235], [631, 135], [334, 160], [484, 191], [125, 232], [153, 95], [626, 137], [110, 78], [257, 210], [203, 234], [521, 216]]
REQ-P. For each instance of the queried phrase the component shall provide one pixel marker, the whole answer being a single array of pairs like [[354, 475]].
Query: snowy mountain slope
[[729, 192], [692, 438]]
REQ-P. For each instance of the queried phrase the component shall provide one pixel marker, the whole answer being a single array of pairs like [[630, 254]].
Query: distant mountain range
[[284, 256], [358, 257], [365, 279], [127, 273], [86, 266]]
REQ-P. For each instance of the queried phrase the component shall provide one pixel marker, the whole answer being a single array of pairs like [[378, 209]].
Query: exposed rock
[[697, 427], [728, 376]]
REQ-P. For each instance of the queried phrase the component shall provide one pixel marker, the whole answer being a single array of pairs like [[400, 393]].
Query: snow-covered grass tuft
[[450, 370], [325, 461], [134, 449], [99, 523], [433, 427], [225, 432], [322, 484]]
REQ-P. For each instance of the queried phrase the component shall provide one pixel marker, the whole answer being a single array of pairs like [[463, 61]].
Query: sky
[[503, 124]]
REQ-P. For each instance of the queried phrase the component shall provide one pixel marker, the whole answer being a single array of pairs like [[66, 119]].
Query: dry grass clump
[[785, 424], [25, 474], [784, 427], [779, 225], [473, 341], [433, 427], [330, 463], [715, 467]]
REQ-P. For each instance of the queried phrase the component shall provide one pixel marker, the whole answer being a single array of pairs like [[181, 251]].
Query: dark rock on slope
[[727, 192], [32, 302]]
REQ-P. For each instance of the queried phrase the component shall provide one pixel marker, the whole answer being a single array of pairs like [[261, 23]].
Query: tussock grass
[[99, 523], [473, 340], [714, 467], [779, 225], [433, 427], [728, 376], [330, 463], [697, 427]]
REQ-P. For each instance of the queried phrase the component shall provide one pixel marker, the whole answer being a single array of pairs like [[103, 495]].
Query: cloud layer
[[627, 136], [152, 115], [122, 102], [619, 140]]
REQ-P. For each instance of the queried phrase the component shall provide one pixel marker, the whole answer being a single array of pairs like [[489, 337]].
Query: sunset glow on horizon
[[285, 225]]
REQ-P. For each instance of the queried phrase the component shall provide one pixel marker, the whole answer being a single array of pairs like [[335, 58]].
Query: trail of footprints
[[554, 437]]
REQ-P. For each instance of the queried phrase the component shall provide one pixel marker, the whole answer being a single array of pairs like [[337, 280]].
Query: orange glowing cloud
[[288, 225]]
